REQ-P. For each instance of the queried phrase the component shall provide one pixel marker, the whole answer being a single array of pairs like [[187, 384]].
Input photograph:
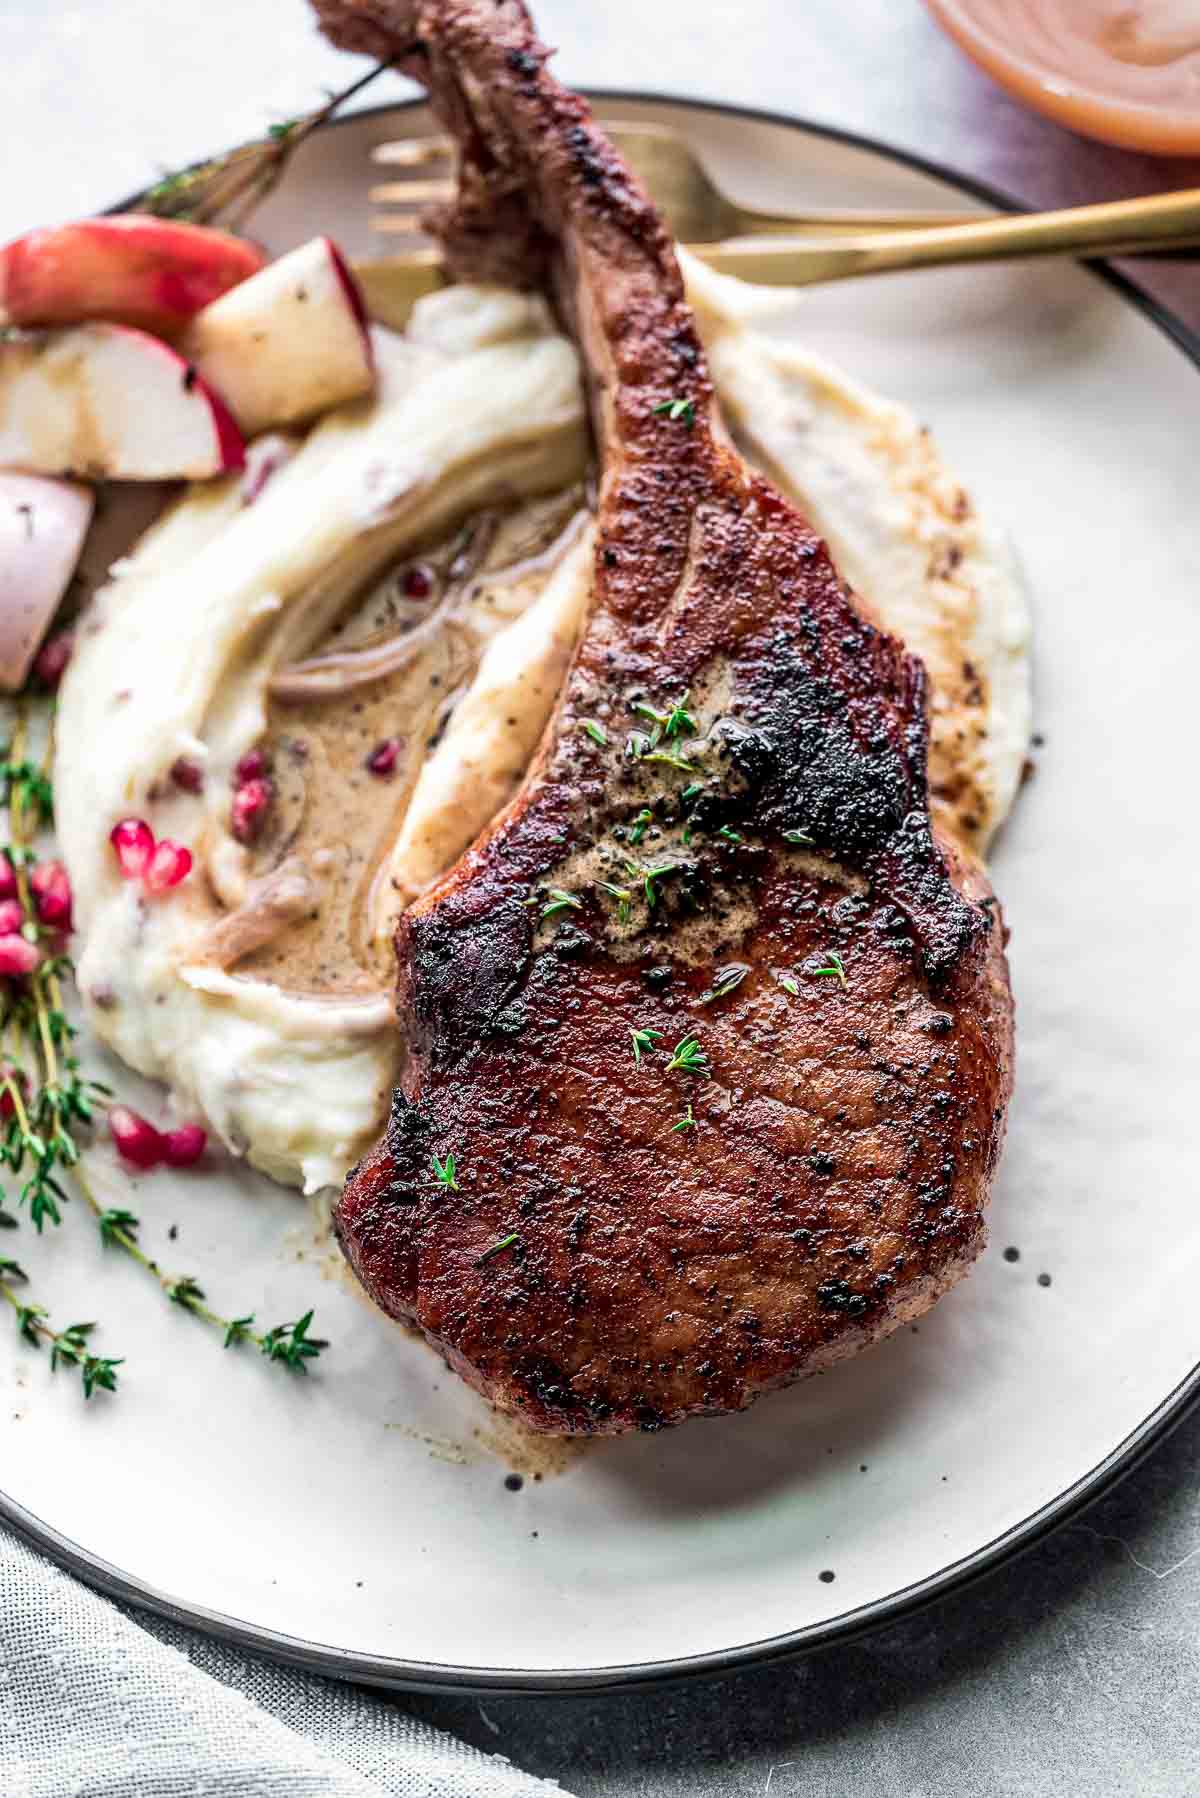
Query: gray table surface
[[1074, 1670]]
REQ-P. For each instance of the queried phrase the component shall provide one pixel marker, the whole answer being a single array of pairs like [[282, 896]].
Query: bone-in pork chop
[[709, 1038]]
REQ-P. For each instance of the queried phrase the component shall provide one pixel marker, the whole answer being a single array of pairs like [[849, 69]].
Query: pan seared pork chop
[[708, 1040]]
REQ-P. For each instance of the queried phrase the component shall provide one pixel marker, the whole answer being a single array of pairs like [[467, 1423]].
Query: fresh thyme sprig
[[69, 1347], [288, 1344], [42, 1112], [226, 190], [47, 1098], [686, 1122], [643, 1043]]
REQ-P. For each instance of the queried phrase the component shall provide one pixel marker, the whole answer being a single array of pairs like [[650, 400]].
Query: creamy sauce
[[289, 625], [330, 809]]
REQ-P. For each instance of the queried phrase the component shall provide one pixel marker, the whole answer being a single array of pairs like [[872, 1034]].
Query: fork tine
[[419, 193], [400, 224], [414, 152]]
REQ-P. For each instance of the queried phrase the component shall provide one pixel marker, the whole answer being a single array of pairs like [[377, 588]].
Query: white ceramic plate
[[361, 1521]]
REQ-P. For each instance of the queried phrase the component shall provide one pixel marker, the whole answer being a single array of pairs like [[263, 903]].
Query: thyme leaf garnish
[[291, 1345], [671, 724], [677, 409], [497, 1248], [834, 966], [643, 1043], [444, 1173], [622, 895], [596, 732], [686, 1122], [559, 901], [648, 877], [637, 829], [789, 985], [688, 1057], [796, 836], [669, 759]]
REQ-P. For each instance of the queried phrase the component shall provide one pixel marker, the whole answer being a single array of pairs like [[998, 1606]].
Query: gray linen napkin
[[93, 1705]]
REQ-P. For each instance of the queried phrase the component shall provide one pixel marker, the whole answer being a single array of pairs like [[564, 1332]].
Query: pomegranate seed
[[183, 1147], [51, 887], [418, 581], [52, 658], [20, 1080], [135, 1138], [11, 917], [253, 766], [169, 864], [187, 775], [17, 956], [133, 841], [250, 804], [383, 758], [8, 879]]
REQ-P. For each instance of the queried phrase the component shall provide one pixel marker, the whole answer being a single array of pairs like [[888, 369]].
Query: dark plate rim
[[427, 1676]]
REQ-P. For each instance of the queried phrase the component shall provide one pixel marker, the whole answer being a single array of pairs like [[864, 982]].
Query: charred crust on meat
[[461, 980]]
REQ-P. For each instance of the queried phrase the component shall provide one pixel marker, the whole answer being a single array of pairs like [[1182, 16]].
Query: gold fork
[[693, 206], [695, 209], [1160, 223]]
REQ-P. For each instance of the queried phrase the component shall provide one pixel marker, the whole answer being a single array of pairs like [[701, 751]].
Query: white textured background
[[1074, 1671]]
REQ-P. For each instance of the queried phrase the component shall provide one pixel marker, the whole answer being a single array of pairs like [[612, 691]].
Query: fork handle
[[1116, 227], [749, 221]]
